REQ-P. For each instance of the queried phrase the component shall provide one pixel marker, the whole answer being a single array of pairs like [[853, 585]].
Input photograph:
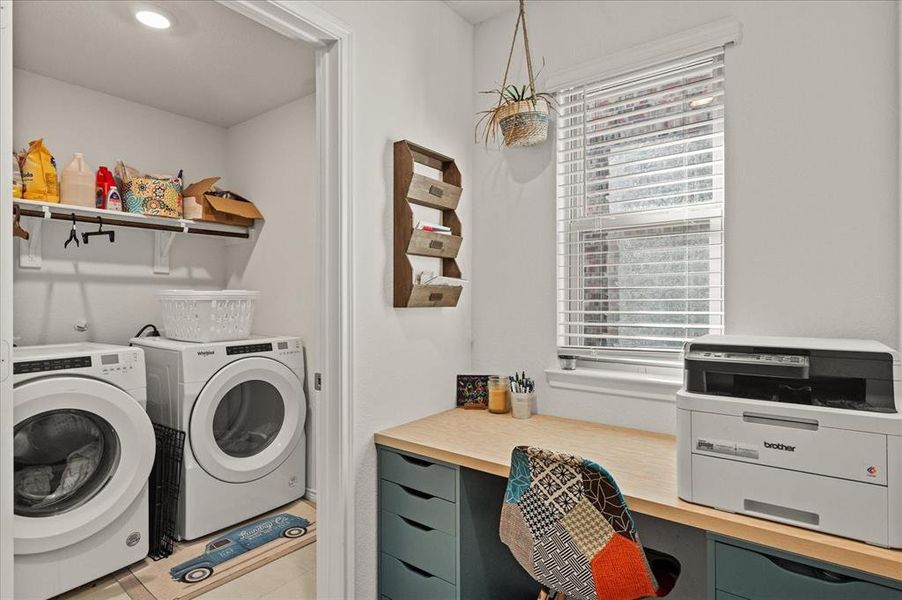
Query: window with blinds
[[640, 200]]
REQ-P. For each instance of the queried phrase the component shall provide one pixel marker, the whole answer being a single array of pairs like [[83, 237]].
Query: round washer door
[[83, 450], [247, 419]]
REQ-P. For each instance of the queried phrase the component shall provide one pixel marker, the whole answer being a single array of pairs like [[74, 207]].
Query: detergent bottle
[[77, 183], [113, 199], [101, 187]]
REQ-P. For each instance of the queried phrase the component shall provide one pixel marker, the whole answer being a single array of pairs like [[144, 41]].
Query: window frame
[[721, 34]]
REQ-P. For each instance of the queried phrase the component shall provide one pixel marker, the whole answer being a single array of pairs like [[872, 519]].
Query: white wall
[[112, 287], [272, 160], [811, 184], [412, 78]]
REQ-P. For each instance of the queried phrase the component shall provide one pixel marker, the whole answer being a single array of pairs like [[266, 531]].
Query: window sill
[[632, 384]]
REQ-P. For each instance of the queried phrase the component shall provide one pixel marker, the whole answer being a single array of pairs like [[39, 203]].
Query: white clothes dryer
[[243, 407], [83, 451]]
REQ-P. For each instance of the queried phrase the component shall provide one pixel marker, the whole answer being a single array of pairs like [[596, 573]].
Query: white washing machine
[[242, 407], [83, 451]]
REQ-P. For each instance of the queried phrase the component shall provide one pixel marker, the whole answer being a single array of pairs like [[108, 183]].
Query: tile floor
[[292, 577]]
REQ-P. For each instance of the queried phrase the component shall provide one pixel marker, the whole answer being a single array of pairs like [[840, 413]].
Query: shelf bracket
[[30, 250], [162, 244]]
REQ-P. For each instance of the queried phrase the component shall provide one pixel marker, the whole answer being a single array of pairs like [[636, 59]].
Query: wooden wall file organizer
[[444, 195]]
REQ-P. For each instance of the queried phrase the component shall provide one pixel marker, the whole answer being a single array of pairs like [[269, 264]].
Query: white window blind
[[640, 208]]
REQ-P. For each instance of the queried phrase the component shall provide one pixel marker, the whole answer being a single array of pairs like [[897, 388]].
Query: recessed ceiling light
[[153, 19]]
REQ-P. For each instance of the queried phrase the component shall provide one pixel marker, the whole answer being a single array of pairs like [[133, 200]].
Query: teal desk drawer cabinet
[[742, 571], [436, 522]]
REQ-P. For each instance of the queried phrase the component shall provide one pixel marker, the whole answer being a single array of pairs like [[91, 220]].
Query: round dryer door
[[83, 450], [247, 419]]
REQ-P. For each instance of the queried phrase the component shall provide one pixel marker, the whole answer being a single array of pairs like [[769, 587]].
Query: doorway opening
[[259, 100]]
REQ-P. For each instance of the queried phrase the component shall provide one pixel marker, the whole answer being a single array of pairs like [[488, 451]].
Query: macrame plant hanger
[[521, 18], [523, 121]]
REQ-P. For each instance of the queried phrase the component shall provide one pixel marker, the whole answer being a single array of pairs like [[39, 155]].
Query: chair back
[[566, 522]]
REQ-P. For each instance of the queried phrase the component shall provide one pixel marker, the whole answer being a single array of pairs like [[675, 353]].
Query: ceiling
[[477, 11], [214, 64]]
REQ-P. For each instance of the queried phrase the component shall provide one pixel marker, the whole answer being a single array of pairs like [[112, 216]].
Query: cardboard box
[[221, 210]]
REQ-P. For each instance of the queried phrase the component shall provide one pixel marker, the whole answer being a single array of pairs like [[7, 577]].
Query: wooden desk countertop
[[643, 463]]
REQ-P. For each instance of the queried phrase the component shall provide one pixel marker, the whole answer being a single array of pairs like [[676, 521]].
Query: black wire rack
[[165, 481]]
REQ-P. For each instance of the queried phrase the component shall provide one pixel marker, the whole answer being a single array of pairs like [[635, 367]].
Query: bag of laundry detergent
[[39, 173], [17, 177]]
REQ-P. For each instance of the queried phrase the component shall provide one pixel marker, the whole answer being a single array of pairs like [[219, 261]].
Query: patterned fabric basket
[[208, 316], [152, 196], [524, 124]]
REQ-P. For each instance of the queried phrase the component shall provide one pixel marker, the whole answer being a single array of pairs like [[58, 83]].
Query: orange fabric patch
[[619, 571]]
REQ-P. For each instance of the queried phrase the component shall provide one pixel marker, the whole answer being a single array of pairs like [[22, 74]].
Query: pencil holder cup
[[522, 404]]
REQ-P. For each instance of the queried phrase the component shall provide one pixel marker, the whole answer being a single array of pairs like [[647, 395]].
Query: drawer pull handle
[[809, 571], [416, 461], [417, 525], [436, 191], [416, 570], [417, 493]]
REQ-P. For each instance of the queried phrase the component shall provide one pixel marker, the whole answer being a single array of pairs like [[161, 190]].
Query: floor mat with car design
[[200, 565]]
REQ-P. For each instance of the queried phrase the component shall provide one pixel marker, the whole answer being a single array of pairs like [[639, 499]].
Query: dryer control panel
[[248, 349]]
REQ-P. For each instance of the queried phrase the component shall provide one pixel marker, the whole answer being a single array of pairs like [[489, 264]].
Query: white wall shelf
[[115, 218], [164, 227]]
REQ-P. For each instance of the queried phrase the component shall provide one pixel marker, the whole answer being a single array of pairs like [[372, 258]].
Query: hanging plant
[[521, 113]]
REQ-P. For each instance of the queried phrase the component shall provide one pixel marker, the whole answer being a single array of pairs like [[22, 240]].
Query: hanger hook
[[85, 236], [73, 235]]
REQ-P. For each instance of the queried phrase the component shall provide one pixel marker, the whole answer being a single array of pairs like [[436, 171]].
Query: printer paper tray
[[838, 506]]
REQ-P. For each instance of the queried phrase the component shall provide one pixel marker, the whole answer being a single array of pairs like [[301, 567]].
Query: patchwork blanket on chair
[[567, 524]]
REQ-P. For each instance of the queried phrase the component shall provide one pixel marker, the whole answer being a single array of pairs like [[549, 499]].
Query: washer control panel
[[118, 362], [289, 347], [51, 364]]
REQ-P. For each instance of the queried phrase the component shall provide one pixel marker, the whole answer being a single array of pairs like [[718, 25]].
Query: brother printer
[[801, 431]]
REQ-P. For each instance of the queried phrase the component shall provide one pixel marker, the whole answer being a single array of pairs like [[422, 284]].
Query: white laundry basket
[[207, 316]]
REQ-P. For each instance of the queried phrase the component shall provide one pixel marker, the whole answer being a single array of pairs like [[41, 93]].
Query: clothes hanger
[[73, 234], [89, 234], [17, 226]]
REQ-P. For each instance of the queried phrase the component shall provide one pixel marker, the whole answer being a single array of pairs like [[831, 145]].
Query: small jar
[[498, 395]]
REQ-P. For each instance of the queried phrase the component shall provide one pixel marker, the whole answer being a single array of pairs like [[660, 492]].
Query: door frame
[[334, 443], [333, 420], [307, 22], [6, 302]]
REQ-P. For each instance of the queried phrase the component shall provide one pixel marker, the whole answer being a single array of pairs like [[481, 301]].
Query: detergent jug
[[77, 183]]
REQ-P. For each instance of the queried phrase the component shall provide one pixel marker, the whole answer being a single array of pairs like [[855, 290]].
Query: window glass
[[640, 200]]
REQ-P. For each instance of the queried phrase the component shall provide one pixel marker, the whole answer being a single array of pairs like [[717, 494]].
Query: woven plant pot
[[523, 123]]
